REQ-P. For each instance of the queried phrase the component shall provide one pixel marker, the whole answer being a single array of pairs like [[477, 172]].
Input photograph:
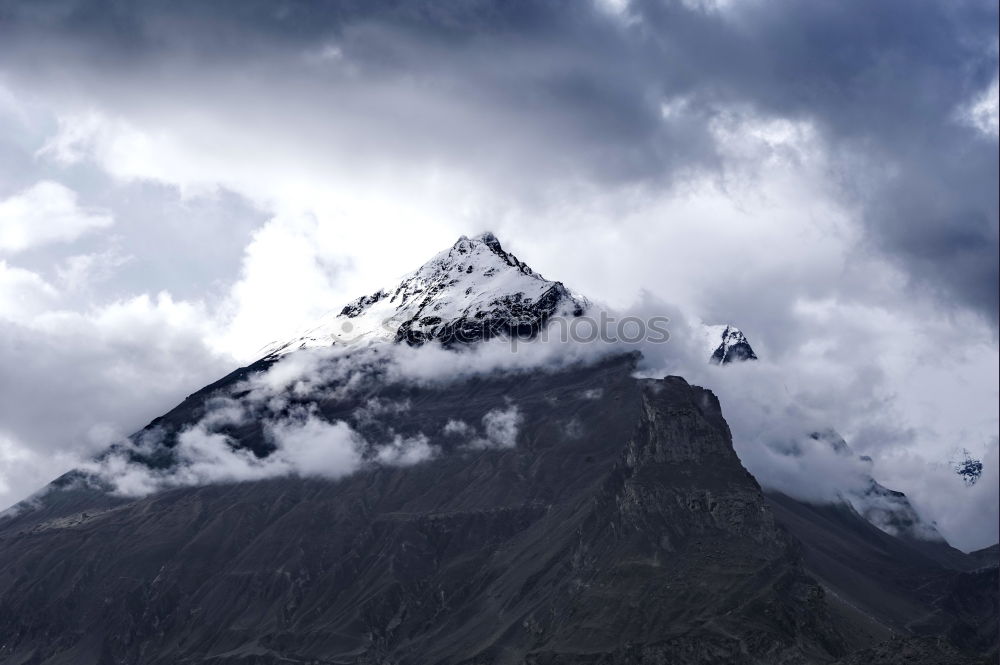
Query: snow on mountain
[[968, 467], [472, 291], [726, 344], [889, 510]]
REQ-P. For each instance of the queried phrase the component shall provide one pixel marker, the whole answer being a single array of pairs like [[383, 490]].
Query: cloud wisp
[[46, 212], [288, 436]]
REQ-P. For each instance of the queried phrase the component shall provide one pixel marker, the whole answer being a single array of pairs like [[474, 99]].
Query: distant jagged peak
[[472, 291], [968, 468], [728, 344], [887, 509]]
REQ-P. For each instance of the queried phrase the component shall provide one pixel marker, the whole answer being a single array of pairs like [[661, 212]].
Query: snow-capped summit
[[472, 291], [729, 344]]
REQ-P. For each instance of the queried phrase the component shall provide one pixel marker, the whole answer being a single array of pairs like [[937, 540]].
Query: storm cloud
[[618, 93]]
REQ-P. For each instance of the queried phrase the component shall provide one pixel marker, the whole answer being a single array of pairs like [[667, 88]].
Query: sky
[[182, 183]]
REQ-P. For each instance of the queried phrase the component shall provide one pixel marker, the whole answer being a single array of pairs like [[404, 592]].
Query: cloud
[[984, 111], [303, 444], [300, 441], [46, 212], [967, 515], [772, 406], [83, 271], [314, 447], [23, 294], [406, 451], [905, 416], [457, 428], [283, 279], [500, 427], [576, 100], [73, 382]]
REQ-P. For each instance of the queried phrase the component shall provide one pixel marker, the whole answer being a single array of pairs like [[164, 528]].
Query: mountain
[[374, 500], [987, 556], [968, 467], [891, 511], [472, 291], [620, 526], [728, 345], [892, 585]]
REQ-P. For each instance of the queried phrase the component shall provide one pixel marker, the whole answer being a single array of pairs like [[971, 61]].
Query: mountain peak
[[732, 345], [470, 292], [487, 238]]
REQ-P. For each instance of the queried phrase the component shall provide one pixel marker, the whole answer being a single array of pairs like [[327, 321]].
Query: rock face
[[887, 586], [472, 291], [988, 556], [616, 526], [620, 528]]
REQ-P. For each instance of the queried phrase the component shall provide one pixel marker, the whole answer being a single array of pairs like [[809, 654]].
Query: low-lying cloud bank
[[297, 439], [304, 445], [774, 406], [774, 409]]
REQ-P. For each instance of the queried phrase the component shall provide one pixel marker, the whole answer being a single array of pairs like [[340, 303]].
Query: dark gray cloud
[[495, 80], [79, 382]]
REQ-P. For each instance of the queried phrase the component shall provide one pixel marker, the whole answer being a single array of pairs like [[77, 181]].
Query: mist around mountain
[[427, 477]]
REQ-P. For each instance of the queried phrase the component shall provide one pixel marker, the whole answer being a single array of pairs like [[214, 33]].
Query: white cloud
[[881, 379], [24, 469], [314, 447], [457, 428], [501, 427], [285, 281], [73, 381], [23, 294], [81, 272], [305, 445], [983, 113], [46, 212], [968, 516], [613, 7], [406, 451]]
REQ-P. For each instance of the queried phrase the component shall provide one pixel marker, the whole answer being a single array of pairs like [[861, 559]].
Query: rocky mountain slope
[[620, 527], [891, 511], [323, 506]]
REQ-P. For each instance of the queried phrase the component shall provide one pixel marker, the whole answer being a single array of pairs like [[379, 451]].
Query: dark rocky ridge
[[893, 585], [988, 556], [559, 548], [509, 316], [622, 529]]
